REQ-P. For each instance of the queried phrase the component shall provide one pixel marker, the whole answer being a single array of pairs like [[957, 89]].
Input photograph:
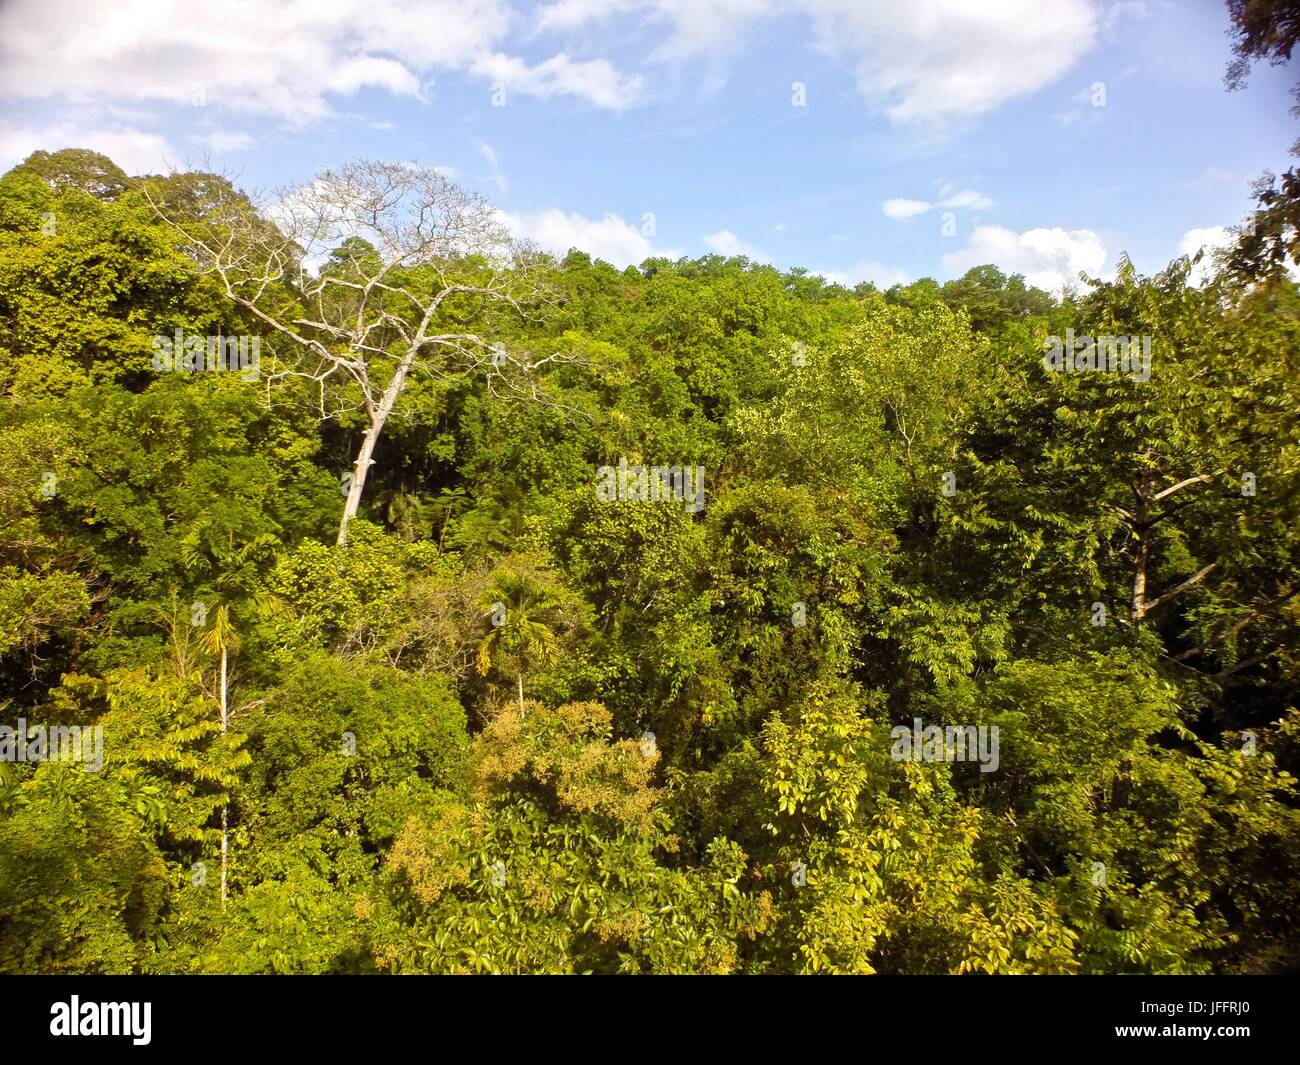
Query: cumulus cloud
[[611, 238], [923, 61], [283, 60], [920, 61], [1049, 259], [136, 151], [725, 242], [929, 60]]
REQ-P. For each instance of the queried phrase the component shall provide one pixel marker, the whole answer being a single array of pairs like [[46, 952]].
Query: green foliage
[[513, 727]]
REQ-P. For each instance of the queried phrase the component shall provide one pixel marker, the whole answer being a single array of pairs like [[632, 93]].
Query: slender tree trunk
[[1142, 535], [378, 418], [225, 808], [223, 690], [225, 822], [521, 693]]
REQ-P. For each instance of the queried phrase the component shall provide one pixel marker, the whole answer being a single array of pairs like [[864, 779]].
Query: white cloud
[[881, 276], [136, 151], [694, 26], [1050, 259], [281, 59], [1211, 238], [610, 238], [1214, 239], [967, 198], [928, 60], [572, 14], [919, 61], [596, 80], [901, 208], [708, 25], [725, 242], [366, 71]]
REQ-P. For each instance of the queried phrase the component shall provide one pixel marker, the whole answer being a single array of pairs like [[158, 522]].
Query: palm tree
[[221, 640], [236, 569], [525, 612]]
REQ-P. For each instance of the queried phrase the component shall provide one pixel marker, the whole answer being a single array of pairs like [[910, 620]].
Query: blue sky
[[1046, 136]]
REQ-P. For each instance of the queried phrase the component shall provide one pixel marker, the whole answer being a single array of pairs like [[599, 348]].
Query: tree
[[77, 168], [371, 274], [220, 640], [1264, 29], [907, 517], [562, 863], [526, 611]]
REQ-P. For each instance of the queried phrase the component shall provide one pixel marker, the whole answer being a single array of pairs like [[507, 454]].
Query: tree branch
[[1194, 579]]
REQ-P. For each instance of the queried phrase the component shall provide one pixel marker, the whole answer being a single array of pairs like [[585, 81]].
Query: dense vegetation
[[506, 726]]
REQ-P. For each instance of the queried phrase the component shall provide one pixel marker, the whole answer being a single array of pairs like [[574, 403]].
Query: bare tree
[[372, 274]]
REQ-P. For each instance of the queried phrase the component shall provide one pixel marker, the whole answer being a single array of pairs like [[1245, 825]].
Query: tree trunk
[[225, 809], [360, 468], [521, 693], [1142, 536], [223, 690], [378, 418], [225, 821]]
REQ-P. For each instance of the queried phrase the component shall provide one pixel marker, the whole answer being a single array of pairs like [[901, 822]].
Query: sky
[[865, 140]]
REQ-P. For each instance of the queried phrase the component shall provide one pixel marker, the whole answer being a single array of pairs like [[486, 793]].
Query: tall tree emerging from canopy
[[372, 273]]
